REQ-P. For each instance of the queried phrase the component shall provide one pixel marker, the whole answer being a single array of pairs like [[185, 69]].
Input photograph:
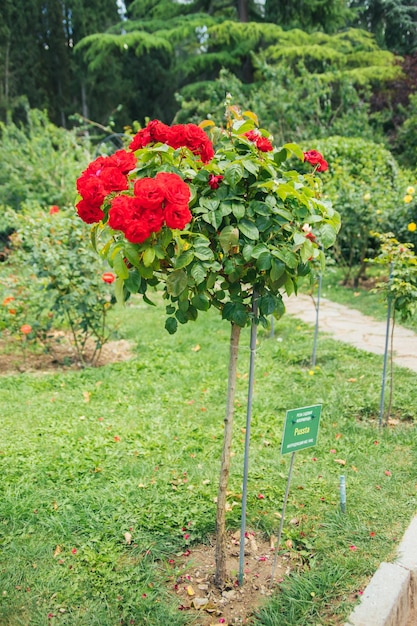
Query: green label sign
[[301, 428]]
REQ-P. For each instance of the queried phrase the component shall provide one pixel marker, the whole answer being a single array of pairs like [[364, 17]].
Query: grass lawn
[[134, 447]]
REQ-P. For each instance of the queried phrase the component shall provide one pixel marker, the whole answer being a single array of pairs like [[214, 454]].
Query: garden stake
[[253, 333], [384, 370], [281, 524], [343, 494], [316, 328]]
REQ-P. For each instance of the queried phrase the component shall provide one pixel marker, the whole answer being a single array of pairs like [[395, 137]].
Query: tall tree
[[393, 22], [36, 50], [326, 15]]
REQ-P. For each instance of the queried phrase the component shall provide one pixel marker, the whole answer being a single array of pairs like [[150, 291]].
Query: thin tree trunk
[[220, 577]]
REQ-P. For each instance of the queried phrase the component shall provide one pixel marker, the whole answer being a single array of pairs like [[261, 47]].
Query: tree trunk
[[220, 576]]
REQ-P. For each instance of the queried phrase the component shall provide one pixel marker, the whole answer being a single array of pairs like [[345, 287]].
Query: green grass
[[142, 456]]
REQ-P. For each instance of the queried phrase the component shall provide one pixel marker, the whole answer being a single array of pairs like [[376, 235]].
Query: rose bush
[[207, 218], [219, 220]]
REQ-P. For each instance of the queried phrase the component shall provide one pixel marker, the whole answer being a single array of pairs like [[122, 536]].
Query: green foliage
[[308, 14], [401, 288], [363, 183], [55, 280], [39, 162]]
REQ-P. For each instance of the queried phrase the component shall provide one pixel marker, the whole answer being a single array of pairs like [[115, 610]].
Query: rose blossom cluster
[[316, 158], [177, 136], [102, 177], [155, 202], [262, 143]]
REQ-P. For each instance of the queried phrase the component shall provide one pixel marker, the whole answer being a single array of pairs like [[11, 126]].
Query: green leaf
[[148, 257], [176, 282], [327, 235], [259, 249], [264, 261], [198, 273], [277, 270], [281, 156], [250, 166], [235, 312], [267, 304], [229, 238], [119, 290], [120, 266], [202, 249], [184, 259], [248, 229], [132, 254], [171, 325], [134, 281], [201, 302], [299, 238], [233, 174], [239, 210], [295, 149]]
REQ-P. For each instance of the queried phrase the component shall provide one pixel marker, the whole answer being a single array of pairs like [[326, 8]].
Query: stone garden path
[[354, 328]]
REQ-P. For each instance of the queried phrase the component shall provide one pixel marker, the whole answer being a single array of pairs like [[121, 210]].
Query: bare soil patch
[[59, 356], [193, 580]]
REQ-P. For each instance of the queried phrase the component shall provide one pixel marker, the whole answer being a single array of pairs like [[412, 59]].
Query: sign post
[[300, 431]]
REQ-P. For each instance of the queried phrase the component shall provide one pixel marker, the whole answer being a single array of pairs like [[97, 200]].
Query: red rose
[[91, 189], [125, 161], [121, 210], [263, 144], [311, 236], [89, 213], [192, 137], [159, 131], [137, 231], [214, 181], [140, 140], [96, 166], [155, 131], [175, 190], [108, 277], [316, 158], [149, 192], [177, 216], [154, 219], [113, 179], [252, 135]]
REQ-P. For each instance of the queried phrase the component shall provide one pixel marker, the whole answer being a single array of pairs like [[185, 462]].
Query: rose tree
[[218, 219]]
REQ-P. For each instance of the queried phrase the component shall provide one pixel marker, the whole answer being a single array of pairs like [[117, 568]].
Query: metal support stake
[[281, 524], [387, 333], [253, 335], [316, 328]]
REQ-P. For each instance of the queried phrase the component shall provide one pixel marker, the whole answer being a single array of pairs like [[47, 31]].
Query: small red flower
[[7, 300], [74, 551], [311, 236], [214, 181], [54, 209], [352, 548], [26, 329], [186, 536], [316, 158], [108, 277], [372, 534], [261, 496], [387, 473]]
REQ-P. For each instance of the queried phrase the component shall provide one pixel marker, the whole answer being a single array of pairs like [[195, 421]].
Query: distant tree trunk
[[221, 573], [242, 10]]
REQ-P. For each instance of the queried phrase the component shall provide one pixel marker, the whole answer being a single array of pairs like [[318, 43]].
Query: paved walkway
[[354, 328]]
